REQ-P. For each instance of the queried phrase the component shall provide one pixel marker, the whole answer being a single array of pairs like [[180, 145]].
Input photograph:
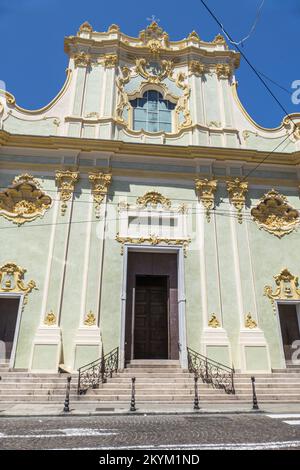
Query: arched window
[[152, 113]]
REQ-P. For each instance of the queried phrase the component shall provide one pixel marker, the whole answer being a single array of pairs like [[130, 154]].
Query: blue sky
[[33, 61]]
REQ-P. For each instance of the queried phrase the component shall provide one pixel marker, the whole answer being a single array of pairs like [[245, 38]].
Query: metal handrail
[[211, 372], [90, 375]]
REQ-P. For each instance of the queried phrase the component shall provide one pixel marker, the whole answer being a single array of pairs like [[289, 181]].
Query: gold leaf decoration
[[206, 192], [12, 280], [100, 183], [250, 322], [237, 190], [214, 322], [66, 180], [154, 240], [153, 198], [275, 215], [90, 319], [24, 200], [50, 319], [287, 288]]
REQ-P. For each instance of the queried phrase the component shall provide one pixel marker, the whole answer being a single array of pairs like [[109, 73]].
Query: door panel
[[8, 319], [289, 328], [151, 318]]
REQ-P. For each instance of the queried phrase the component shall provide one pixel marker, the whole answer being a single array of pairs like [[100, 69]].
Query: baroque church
[[143, 211]]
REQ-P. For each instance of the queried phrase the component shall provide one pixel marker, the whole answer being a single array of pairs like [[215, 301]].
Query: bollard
[[255, 404], [196, 399], [132, 403], [67, 399]]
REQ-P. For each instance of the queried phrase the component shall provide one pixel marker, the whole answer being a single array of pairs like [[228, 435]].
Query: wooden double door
[[151, 329]]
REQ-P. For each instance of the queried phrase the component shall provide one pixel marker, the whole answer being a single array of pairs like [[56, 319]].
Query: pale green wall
[[45, 357]]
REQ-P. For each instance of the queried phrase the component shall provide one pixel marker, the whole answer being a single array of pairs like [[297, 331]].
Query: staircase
[[157, 381]]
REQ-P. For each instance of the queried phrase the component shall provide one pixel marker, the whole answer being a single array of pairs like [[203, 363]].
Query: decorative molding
[[154, 240], [275, 215], [11, 281], [100, 183], [114, 28], [154, 73], [82, 59], [287, 288], [24, 200], [90, 319], [110, 60], [154, 38], [250, 322], [85, 28], [66, 180], [237, 190], [183, 101], [50, 319], [194, 36], [292, 127], [197, 68], [223, 71], [219, 40], [214, 322], [206, 189], [123, 102], [153, 198]]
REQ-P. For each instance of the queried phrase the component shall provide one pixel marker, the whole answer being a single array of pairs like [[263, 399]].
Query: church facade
[[136, 212]]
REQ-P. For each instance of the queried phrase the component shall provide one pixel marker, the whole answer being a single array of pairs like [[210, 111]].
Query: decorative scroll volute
[[214, 322], [24, 200], [153, 198], [287, 288], [100, 183], [237, 190], [66, 180], [12, 281], [183, 102], [163, 69], [206, 189], [123, 102], [275, 215], [154, 240]]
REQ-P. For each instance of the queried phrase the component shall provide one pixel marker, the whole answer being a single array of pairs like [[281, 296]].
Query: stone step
[[35, 386], [154, 370], [153, 363]]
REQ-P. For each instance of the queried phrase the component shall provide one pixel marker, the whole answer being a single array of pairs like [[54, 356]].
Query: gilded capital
[[206, 188], [65, 180], [100, 183], [82, 59], [237, 190], [224, 71]]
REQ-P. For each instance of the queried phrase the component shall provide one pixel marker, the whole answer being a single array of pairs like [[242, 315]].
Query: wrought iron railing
[[96, 372], [211, 372]]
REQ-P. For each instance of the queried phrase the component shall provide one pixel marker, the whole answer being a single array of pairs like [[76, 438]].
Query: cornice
[[154, 150], [72, 42]]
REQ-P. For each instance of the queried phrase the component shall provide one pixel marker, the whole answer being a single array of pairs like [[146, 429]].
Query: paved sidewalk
[[94, 409]]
